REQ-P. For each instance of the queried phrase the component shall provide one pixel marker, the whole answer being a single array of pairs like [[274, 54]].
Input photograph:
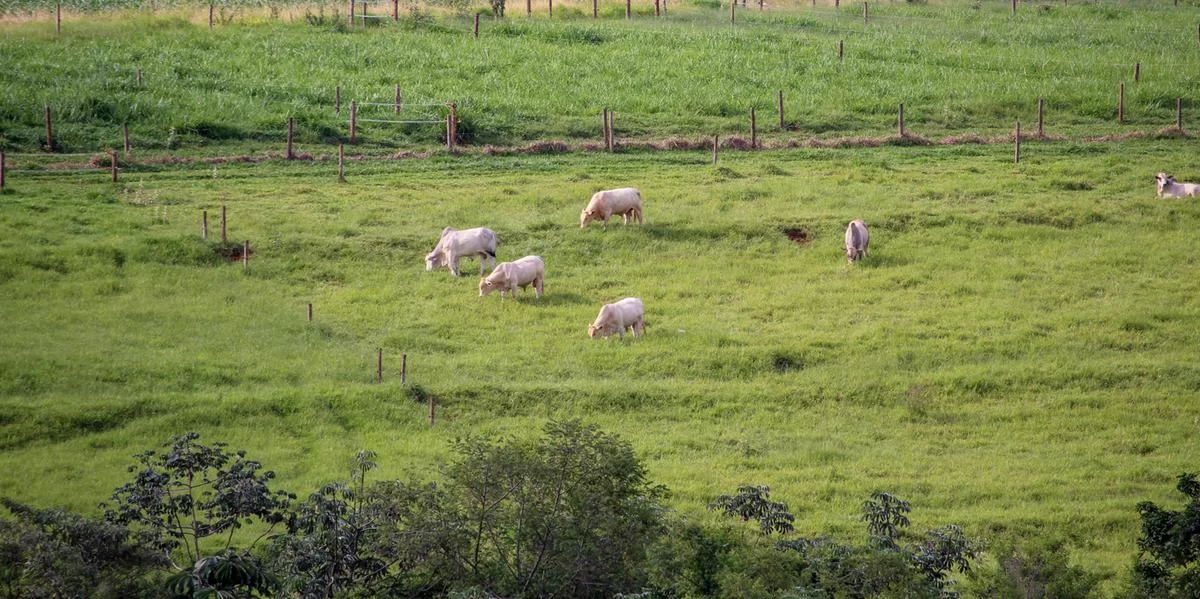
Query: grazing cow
[[856, 240], [507, 276], [1169, 188], [628, 313], [454, 245], [626, 201]]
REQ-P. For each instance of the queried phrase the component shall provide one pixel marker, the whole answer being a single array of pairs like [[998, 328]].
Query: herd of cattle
[[617, 317], [628, 313]]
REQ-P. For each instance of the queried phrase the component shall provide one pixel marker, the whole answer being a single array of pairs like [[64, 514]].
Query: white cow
[[507, 276], [1169, 188], [856, 240], [618, 316], [454, 245], [625, 201]]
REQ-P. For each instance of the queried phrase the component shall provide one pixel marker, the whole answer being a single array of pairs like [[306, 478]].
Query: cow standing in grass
[[625, 201], [507, 276], [628, 313], [454, 245], [856, 240], [1169, 188]]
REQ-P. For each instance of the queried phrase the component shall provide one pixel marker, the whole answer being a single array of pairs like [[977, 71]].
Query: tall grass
[[957, 67], [1016, 355]]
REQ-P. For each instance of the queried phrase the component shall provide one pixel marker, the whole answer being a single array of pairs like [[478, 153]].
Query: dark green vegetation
[[1015, 356], [960, 69]]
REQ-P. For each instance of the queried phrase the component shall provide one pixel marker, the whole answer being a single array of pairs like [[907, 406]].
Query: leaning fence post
[[204, 225], [341, 163], [291, 133], [781, 125], [1041, 118], [1121, 103], [49, 130], [353, 122], [112, 154], [900, 121], [1017, 144], [753, 129], [403, 368], [223, 238]]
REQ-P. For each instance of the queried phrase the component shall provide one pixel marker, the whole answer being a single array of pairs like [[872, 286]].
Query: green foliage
[[885, 514], [753, 502], [228, 574], [192, 492], [1172, 541], [57, 553], [1033, 570]]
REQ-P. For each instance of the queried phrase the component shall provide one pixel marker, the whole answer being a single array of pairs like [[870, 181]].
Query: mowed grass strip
[[1017, 353]]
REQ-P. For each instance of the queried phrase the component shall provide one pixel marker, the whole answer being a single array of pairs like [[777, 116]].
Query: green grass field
[[1016, 355], [960, 69]]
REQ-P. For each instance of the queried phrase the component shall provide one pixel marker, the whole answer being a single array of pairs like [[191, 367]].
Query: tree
[[1172, 541], [753, 502], [56, 553], [193, 492], [885, 515]]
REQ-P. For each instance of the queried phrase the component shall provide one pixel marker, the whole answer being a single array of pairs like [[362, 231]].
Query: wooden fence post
[[1121, 103], [550, 8], [753, 129], [657, 10], [841, 49], [452, 132], [399, 98], [223, 238], [112, 155], [403, 368], [432, 409], [612, 131], [125, 138], [204, 225], [396, 10], [716, 141], [310, 311], [1041, 118], [733, 12], [866, 17], [291, 133], [1179, 114], [1014, 7], [476, 37], [529, 8], [337, 100], [1017, 144], [58, 19], [353, 122], [628, 9], [379, 366], [900, 121], [595, 9], [1137, 72], [781, 124], [352, 13], [2, 167], [210, 15], [837, 4], [139, 77], [49, 130], [341, 163], [246, 255]]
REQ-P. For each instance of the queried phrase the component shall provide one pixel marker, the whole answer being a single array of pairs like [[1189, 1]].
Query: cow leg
[[639, 327], [620, 326], [453, 260], [537, 286]]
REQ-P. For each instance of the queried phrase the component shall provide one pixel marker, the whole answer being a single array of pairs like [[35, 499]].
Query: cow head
[[434, 259], [1161, 180], [851, 253], [586, 217], [486, 287]]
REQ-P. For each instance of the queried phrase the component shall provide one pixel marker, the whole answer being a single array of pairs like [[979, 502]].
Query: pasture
[[1017, 354]]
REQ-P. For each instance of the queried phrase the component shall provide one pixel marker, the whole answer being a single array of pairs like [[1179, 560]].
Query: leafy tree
[[192, 492], [885, 515], [753, 502], [1172, 541], [57, 553]]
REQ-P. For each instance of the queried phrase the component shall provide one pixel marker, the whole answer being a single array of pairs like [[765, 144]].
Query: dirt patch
[[797, 234], [233, 251]]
